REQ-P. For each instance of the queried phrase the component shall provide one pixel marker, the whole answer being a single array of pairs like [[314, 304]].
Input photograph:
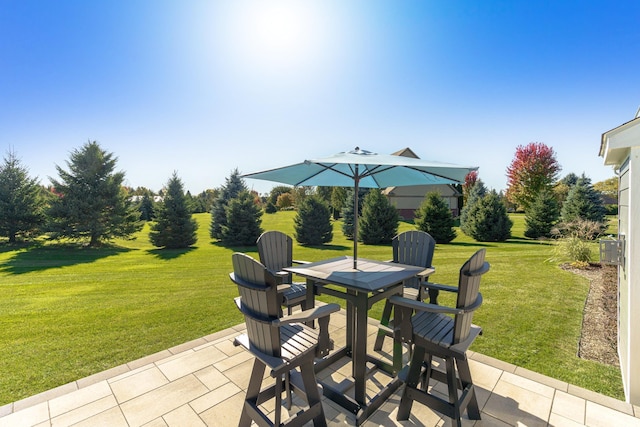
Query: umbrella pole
[[355, 220]]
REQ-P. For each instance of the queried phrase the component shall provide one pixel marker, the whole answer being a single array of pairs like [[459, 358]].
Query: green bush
[[573, 249], [434, 217]]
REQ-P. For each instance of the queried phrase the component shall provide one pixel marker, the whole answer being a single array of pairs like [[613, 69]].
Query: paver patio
[[202, 383]]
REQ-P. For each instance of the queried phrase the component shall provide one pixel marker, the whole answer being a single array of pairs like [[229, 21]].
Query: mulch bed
[[599, 337]]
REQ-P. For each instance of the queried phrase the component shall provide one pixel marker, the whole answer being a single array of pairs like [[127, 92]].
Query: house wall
[[629, 277], [408, 199]]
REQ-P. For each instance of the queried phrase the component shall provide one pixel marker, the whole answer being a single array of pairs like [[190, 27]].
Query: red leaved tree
[[469, 181], [533, 169]]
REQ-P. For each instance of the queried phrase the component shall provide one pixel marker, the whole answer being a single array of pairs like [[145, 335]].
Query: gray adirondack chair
[[412, 247], [275, 250], [284, 344], [444, 332]]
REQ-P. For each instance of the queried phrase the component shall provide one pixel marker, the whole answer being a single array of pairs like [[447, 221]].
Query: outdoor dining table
[[369, 283]]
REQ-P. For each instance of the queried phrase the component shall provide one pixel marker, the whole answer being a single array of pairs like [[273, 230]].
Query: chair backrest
[[468, 291], [275, 249], [258, 301], [413, 247]]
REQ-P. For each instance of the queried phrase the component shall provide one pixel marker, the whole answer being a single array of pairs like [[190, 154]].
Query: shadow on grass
[[37, 257], [168, 254]]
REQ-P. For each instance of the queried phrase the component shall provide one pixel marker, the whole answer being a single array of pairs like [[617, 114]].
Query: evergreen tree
[[487, 220], [338, 200], [542, 215], [583, 202], [434, 217], [476, 192], [146, 208], [347, 211], [21, 206], [174, 227], [312, 224], [379, 221], [234, 186], [243, 219], [92, 203]]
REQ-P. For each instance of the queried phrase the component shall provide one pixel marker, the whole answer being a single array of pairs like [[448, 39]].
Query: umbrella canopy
[[361, 168]]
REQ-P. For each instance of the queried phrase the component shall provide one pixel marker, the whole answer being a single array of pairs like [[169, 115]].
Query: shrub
[[270, 207], [434, 217], [580, 228], [574, 249], [379, 222], [312, 224]]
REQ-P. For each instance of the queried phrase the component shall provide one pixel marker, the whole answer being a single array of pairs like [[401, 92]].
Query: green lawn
[[66, 313]]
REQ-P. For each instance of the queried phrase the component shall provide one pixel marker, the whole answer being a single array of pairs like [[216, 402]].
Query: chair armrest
[[423, 306], [308, 315], [297, 261], [439, 287]]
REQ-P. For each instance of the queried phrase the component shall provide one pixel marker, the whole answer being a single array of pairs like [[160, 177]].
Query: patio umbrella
[[364, 169]]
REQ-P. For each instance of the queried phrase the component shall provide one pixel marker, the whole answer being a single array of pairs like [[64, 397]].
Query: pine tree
[[379, 221], [434, 217], [243, 219], [234, 186], [312, 224], [146, 208], [21, 204], [542, 215], [92, 203], [583, 202], [174, 227], [347, 211], [476, 192]]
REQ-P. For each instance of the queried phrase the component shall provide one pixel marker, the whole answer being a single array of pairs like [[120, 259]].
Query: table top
[[370, 276]]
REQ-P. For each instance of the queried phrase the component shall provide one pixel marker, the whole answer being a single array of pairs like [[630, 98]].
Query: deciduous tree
[[92, 203], [533, 169]]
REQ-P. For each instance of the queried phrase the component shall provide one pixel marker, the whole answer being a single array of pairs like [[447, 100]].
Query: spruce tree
[[379, 221], [488, 220], [347, 211], [583, 202], [312, 224], [21, 204], [234, 186], [477, 192], [174, 227], [542, 215], [434, 217], [243, 219], [146, 208], [93, 203]]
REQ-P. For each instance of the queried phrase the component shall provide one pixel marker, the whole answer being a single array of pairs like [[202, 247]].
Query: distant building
[[408, 199]]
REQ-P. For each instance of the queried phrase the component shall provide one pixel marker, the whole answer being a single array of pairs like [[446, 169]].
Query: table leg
[[359, 349]]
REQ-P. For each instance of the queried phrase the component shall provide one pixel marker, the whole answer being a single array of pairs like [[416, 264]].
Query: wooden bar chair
[[443, 332], [275, 250], [412, 247], [283, 344]]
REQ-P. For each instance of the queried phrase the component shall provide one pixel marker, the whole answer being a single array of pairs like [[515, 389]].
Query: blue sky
[[203, 87]]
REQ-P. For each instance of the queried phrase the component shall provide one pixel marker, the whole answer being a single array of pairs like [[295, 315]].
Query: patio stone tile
[[45, 396], [211, 377], [158, 422], [484, 376], [528, 384], [162, 400], [602, 416], [189, 345], [233, 360], [556, 420], [489, 421], [190, 361], [241, 373], [214, 397], [496, 363], [513, 404], [27, 417], [152, 358], [569, 406], [184, 416], [85, 412], [102, 376], [112, 417], [78, 398], [542, 379], [226, 413], [228, 348], [135, 385]]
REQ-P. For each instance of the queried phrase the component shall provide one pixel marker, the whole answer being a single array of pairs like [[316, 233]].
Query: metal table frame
[[370, 283]]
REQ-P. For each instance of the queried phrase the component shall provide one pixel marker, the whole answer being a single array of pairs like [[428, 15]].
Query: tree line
[[88, 202]]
